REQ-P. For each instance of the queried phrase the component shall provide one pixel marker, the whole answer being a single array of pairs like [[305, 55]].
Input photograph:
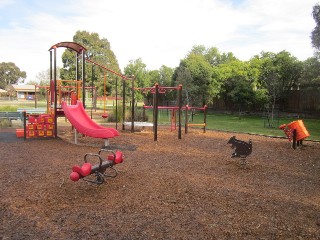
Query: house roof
[[25, 88]]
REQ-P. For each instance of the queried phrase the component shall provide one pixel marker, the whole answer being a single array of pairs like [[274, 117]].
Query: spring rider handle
[[99, 169], [94, 155]]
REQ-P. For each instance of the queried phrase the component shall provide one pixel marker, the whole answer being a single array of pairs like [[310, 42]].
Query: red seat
[[79, 172], [119, 157]]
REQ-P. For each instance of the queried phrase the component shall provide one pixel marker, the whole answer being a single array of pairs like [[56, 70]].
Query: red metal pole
[[55, 92], [132, 106], [155, 115], [180, 109]]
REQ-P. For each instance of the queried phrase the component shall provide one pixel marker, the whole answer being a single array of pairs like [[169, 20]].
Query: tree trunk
[[272, 110], [95, 96]]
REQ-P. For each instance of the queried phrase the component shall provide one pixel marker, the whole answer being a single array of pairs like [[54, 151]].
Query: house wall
[[25, 95]]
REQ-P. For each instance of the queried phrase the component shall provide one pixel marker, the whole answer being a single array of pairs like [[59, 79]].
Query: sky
[[160, 32]]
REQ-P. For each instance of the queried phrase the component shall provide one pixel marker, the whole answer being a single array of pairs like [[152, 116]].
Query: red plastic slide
[[78, 117]]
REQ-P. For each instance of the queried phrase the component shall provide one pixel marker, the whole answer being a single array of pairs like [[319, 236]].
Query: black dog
[[242, 149]]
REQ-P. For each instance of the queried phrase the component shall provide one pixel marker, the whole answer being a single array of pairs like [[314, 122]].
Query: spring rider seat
[[242, 149], [296, 132]]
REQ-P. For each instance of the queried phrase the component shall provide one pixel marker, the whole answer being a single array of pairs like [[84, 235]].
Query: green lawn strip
[[220, 122], [249, 124], [256, 125]]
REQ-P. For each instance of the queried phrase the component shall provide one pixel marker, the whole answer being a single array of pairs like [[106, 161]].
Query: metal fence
[[8, 98]]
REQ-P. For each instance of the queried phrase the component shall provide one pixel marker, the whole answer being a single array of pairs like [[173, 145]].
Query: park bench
[[11, 115], [19, 114]]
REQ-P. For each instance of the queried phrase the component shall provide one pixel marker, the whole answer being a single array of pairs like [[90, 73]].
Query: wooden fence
[[297, 101]]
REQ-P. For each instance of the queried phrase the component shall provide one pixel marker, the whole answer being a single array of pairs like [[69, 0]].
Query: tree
[[270, 79], [138, 69], [290, 69], [315, 34], [237, 83], [43, 77], [260, 92], [241, 94], [198, 50], [10, 74], [201, 73], [182, 75], [215, 58], [154, 77], [166, 74], [204, 85], [98, 50], [212, 55], [310, 76], [279, 74]]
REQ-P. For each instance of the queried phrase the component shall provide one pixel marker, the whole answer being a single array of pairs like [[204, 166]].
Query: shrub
[[112, 115], [138, 115], [5, 123]]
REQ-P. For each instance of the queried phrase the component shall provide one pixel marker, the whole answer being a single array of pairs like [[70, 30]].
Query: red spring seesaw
[[99, 170]]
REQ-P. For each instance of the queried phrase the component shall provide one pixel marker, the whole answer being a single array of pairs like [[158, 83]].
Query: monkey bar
[[108, 69]]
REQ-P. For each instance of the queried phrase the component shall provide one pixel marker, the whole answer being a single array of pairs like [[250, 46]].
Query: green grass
[[247, 124], [225, 122], [12, 106], [255, 125]]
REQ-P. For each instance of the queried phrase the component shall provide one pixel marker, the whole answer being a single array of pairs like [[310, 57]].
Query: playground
[[171, 184], [187, 188]]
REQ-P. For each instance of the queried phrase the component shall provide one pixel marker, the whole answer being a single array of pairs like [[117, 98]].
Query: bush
[[112, 115], [138, 115], [5, 123]]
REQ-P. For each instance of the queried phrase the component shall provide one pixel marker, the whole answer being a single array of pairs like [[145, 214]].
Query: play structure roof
[[71, 45]]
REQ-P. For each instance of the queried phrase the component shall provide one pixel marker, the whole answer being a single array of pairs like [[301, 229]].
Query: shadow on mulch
[[122, 147], [9, 135]]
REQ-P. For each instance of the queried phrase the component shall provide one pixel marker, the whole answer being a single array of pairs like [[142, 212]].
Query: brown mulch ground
[[170, 189]]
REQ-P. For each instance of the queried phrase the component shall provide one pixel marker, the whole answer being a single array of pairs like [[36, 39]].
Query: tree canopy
[[98, 50], [206, 73], [10, 74], [315, 34], [310, 75]]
